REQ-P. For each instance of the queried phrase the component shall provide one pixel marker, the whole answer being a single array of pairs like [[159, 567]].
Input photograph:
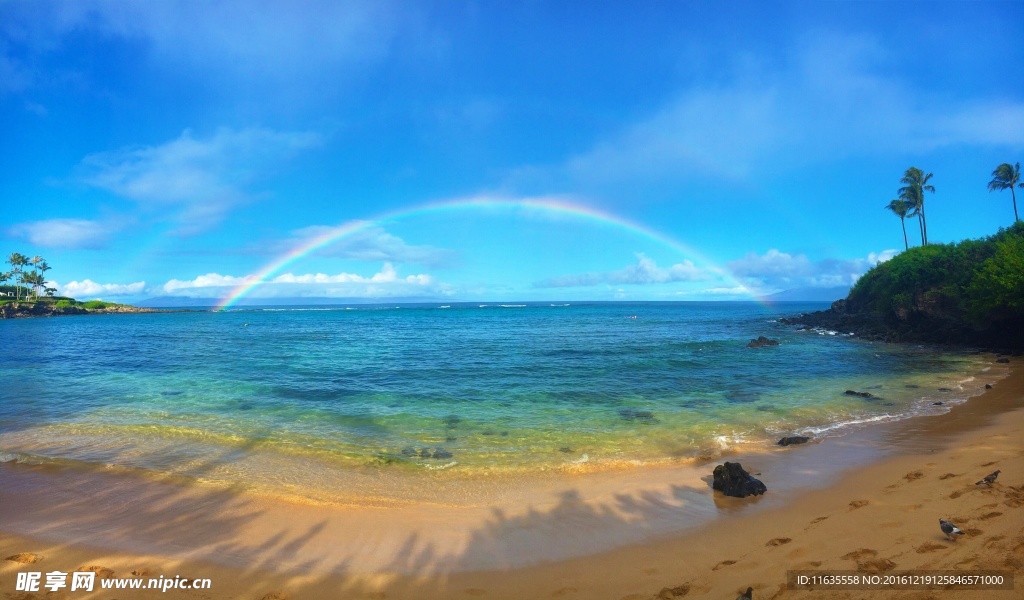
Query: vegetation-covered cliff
[[968, 293]]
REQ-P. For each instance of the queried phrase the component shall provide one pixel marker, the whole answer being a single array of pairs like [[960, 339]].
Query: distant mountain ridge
[[809, 294]]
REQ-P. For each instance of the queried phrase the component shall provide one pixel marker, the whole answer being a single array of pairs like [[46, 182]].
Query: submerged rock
[[794, 439], [631, 414], [435, 453], [761, 342], [1002, 360], [861, 394], [732, 480]]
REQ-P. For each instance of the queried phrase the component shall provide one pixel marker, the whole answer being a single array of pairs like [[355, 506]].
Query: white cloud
[[66, 233], [645, 271], [90, 289], [210, 280], [832, 96], [776, 270], [373, 244], [199, 180], [385, 283]]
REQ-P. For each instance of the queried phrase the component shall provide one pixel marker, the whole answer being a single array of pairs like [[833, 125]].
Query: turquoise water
[[290, 398]]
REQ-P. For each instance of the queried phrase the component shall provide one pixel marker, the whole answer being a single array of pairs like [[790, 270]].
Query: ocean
[[373, 401]]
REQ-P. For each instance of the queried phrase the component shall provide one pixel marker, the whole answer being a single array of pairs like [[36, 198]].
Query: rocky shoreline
[[921, 326], [24, 310]]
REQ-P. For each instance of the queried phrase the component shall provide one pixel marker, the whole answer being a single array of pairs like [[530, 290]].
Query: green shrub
[[976, 280], [64, 304], [96, 304]]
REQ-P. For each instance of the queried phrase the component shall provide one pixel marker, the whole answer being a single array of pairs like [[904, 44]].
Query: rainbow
[[550, 205]]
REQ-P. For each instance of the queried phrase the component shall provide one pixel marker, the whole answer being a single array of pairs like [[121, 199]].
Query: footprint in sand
[[1017, 554], [563, 592], [277, 595], [858, 504], [973, 531], [878, 564], [724, 563], [101, 572], [779, 541], [947, 476], [914, 475], [955, 495], [670, 593], [804, 566], [141, 572], [1014, 496], [994, 541], [990, 515], [989, 464], [474, 591], [25, 558], [929, 547], [818, 520], [859, 554]]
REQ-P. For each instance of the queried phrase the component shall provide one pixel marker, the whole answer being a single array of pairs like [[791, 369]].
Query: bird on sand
[[989, 479], [747, 595], [949, 529]]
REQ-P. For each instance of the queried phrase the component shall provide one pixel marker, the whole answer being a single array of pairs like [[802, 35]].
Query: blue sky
[[177, 148]]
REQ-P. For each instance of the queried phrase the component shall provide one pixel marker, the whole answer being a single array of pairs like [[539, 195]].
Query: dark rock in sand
[[409, 452], [441, 453], [936, 404], [761, 342], [988, 386], [732, 480], [861, 394], [1002, 360], [794, 439], [945, 390]]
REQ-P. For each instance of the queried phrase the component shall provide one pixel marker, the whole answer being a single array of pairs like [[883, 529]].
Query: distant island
[[23, 299], [60, 306], [969, 293]]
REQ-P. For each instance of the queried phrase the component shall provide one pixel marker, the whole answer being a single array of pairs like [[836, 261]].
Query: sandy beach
[[868, 501]]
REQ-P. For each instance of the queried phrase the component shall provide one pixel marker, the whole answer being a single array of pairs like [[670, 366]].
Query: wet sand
[[869, 500]]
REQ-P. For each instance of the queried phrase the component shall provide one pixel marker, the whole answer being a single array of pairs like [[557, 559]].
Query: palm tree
[[1005, 177], [915, 185], [912, 201], [43, 268], [900, 208], [17, 261], [34, 279]]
